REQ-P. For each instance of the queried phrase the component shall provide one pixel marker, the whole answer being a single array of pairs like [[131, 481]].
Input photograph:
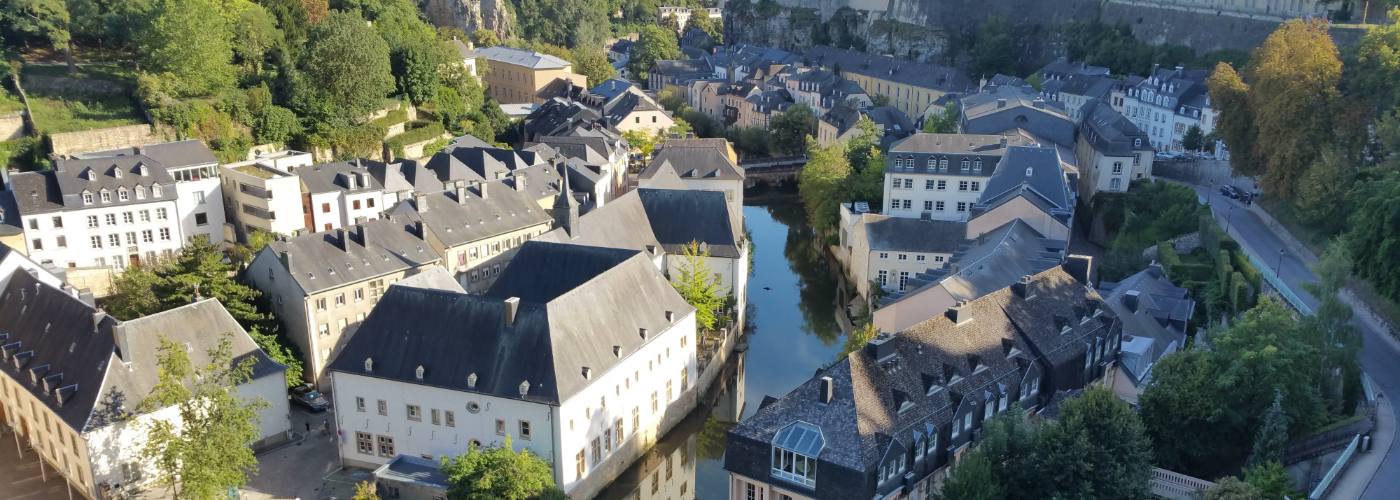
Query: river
[[792, 331]]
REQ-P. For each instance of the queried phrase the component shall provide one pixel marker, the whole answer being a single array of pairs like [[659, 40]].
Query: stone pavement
[[308, 469], [20, 478]]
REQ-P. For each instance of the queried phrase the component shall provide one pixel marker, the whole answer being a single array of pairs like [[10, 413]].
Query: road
[[1380, 360]]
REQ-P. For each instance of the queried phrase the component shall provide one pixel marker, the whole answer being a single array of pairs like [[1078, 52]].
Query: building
[[676, 74], [887, 420], [910, 85], [550, 358], [467, 52], [255, 191], [323, 285], [1031, 185], [980, 265], [411, 478], [943, 175], [1155, 315], [195, 172], [475, 230], [109, 211], [839, 124], [621, 49], [822, 90], [1076, 91], [341, 192], [517, 75], [626, 108], [1168, 103], [71, 378], [888, 251], [760, 107], [682, 15], [1112, 151], [1009, 108], [605, 154], [1062, 69], [11, 224], [702, 165]]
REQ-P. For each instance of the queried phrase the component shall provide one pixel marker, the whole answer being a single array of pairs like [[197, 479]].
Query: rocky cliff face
[[470, 15]]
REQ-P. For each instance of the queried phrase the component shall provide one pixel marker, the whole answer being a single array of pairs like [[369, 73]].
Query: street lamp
[[66, 471], [1279, 270], [1229, 218]]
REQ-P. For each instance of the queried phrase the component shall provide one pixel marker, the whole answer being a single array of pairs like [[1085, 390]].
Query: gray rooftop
[[1031, 172], [350, 177], [473, 217], [1109, 132], [433, 278], [989, 262], [913, 73], [679, 217], [913, 235], [1010, 108], [325, 260], [1161, 313], [522, 57], [414, 470], [694, 160], [176, 154]]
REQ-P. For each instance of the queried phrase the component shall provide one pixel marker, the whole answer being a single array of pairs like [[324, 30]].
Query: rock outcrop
[[470, 15]]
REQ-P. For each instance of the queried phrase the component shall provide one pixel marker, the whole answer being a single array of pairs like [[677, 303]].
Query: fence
[[1168, 484], [1278, 285], [1341, 466]]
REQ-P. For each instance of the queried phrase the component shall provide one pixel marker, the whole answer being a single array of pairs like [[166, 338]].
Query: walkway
[[1376, 474]]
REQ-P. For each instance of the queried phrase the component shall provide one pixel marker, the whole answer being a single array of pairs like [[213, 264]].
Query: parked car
[[305, 395], [1163, 156], [1231, 191]]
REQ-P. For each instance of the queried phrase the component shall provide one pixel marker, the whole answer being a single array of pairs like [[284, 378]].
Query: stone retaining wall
[[105, 138], [12, 126]]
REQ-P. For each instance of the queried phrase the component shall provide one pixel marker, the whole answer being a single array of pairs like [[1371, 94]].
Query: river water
[[792, 331]]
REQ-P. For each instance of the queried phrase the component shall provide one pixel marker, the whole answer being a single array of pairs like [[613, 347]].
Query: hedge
[[1167, 257], [1248, 270], [1241, 294], [1199, 273], [1214, 238], [394, 117], [415, 131], [1222, 266]]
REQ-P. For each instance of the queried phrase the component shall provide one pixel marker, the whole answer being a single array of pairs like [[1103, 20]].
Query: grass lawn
[[69, 112], [118, 73], [9, 102]]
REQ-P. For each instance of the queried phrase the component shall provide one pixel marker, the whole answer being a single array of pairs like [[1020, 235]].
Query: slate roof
[[336, 176], [1066, 302], [557, 117], [986, 113], [522, 57], [699, 162], [913, 235], [621, 223], [1163, 311], [913, 73], [432, 278], [921, 146], [623, 46], [1109, 132], [414, 470], [463, 50], [1031, 172], [1062, 68], [49, 328], [10, 222], [480, 164], [988, 262], [576, 303], [321, 261], [842, 117], [458, 222], [62, 187], [679, 217], [406, 175], [681, 67], [1051, 411], [171, 154], [1088, 86]]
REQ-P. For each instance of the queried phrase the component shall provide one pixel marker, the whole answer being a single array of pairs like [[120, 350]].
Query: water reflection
[[795, 289]]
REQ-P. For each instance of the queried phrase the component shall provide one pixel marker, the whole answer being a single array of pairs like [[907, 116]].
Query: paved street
[[20, 478], [1379, 357], [308, 469]]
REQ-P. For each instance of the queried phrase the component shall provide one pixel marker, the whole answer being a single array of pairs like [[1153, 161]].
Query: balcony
[[255, 191], [259, 213]]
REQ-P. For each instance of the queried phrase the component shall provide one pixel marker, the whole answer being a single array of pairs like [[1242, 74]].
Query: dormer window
[[898, 162], [117, 172], [106, 196], [965, 165], [122, 194], [156, 190], [943, 164], [91, 175], [795, 451], [140, 192], [87, 198], [977, 165]]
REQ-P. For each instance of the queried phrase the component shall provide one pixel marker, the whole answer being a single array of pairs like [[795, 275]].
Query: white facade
[[336, 209], [634, 394], [114, 236], [945, 197], [199, 202], [733, 274], [259, 196]]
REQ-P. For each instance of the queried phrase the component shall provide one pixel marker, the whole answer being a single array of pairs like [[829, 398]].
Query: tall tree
[[1096, 449], [253, 35], [1271, 480], [1230, 95], [497, 473], [971, 479], [365, 490], [698, 285], [134, 293], [945, 122], [484, 38], [1376, 68], [1293, 89], [822, 181], [190, 40], [653, 44], [204, 452], [1182, 412], [593, 65], [1323, 195], [792, 127], [1194, 139], [995, 53], [349, 63], [1272, 436], [42, 20], [1374, 236]]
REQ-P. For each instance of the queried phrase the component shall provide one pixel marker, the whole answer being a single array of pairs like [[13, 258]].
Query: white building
[[264, 194], [92, 371], [340, 192], [1112, 151], [941, 176], [551, 358], [1166, 105], [701, 165], [195, 171]]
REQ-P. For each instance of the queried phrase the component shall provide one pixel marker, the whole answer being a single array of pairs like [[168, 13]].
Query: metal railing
[[1168, 484], [1326, 485], [1279, 285]]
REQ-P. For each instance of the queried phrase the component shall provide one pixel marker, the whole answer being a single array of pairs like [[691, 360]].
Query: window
[[160, 213], [415, 413], [364, 443], [597, 451], [339, 299], [903, 279], [898, 162], [87, 198], [668, 391], [123, 195], [907, 204], [976, 186], [942, 185], [884, 256], [359, 403], [928, 205], [37, 243], [1117, 167], [894, 204], [965, 164], [92, 221], [525, 430], [962, 206], [63, 243], [928, 184], [636, 418], [967, 421], [156, 191], [607, 441], [962, 185], [938, 206], [106, 197], [957, 427], [938, 258], [654, 406], [500, 427], [884, 277], [976, 165], [386, 446], [1113, 184], [437, 416], [451, 419], [324, 329], [909, 183], [325, 208], [115, 240], [148, 236], [321, 304], [895, 185], [359, 294], [140, 192], [340, 325], [795, 449], [580, 462], [991, 408], [1002, 402], [943, 164], [165, 234], [369, 202], [127, 218], [919, 258], [617, 433], [100, 261], [355, 204], [145, 216], [201, 219], [903, 257]]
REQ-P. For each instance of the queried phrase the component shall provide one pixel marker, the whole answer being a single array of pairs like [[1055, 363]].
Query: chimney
[[1130, 299], [123, 344], [196, 297], [519, 183], [420, 202], [97, 317], [481, 189], [881, 347], [461, 194], [1038, 102], [420, 230], [344, 239], [1154, 270], [960, 313], [286, 258], [1024, 288], [1003, 141], [363, 228], [512, 306], [824, 396], [1078, 266], [1001, 103]]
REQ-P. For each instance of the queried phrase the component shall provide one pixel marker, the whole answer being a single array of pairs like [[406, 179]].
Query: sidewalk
[[1357, 478]]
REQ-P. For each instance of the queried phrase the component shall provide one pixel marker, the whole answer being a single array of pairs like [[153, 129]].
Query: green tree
[[698, 285], [857, 339], [879, 101], [365, 490], [498, 473], [865, 144], [1096, 450], [792, 128], [1010, 445], [971, 479], [1236, 127], [641, 142], [204, 452], [42, 20], [1195, 139], [348, 63], [254, 33], [275, 124], [1272, 481], [1272, 436], [1374, 235], [1182, 411], [201, 268], [1293, 79], [593, 65], [945, 122], [750, 142], [134, 293], [1375, 66], [654, 44], [868, 185], [995, 53], [1232, 488], [417, 72], [822, 181], [190, 40], [484, 38], [1323, 195], [711, 27]]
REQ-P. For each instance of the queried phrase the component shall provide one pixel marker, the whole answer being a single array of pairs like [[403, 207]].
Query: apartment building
[[702, 165], [822, 90], [550, 357], [517, 75], [1168, 103], [195, 172], [1006, 109], [339, 193], [1112, 151], [71, 377], [888, 252], [323, 285], [257, 190], [910, 85], [942, 176]]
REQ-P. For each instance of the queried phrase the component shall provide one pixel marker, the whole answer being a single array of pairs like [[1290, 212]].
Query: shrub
[[1192, 272], [1166, 255], [1250, 273], [416, 131]]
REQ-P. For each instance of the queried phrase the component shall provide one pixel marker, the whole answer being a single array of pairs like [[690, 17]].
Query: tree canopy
[[653, 44], [695, 280], [497, 473], [348, 63], [189, 40], [1292, 91]]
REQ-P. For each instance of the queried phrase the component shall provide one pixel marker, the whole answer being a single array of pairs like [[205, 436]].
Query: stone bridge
[[773, 171]]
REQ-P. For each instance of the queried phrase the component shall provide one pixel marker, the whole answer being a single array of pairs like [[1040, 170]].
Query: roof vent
[[1001, 103], [643, 332], [587, 373], [617, 351], [524, 388], [51, 382], [824, 397], [418, 373], [369, 364], [37, 373], [1130, 300], [471, 381], [670, 316], [512, 305]]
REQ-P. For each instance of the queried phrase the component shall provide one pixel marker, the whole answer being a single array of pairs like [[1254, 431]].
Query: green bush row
[[416, 131]]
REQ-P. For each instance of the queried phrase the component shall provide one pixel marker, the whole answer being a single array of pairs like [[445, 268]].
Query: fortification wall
[[105, 138]]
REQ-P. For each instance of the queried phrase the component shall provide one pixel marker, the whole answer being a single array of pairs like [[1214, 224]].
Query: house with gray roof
[[702, 165], [474, 227], [677, 73], [910, 85], [1167, 103], [1077, 90], [343, 191], [1156, 316], [74, 377], [1064, 69], [1030, 184], [887, 420], [1010, 108], [549, 358], [886, 252], [941, 176], [322, 285], [1112, 151]]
